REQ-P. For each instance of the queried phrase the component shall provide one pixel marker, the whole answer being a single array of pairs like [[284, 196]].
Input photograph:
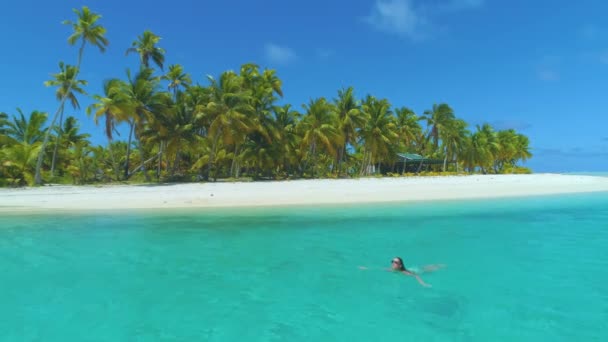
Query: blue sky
[[540, 66]]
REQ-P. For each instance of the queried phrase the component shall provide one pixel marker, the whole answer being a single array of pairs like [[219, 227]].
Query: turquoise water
[[517, 270]]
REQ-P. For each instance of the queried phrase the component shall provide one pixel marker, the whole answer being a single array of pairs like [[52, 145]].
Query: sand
[[298, 192]]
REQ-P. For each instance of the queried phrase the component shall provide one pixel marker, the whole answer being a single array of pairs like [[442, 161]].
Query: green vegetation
[[231, 127]]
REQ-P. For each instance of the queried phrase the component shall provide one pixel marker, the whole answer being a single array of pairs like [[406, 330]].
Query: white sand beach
[[298, 192]]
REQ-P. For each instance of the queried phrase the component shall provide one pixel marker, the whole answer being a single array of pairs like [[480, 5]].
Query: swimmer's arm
[[417, 278]]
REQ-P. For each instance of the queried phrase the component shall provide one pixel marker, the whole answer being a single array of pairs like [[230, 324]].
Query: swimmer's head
[[397, 264]]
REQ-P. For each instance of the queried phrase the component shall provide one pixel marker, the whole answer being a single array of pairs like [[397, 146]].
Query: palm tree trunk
[[176, 160], [211, 162], [233, 166], [419, 166], [336, 166], [57, 142], [142, 156], [38, 175], [129, 149], [314, 157], [160, 160], [114, 166], [367, 160], [363, 163], [342, 159], [167, 162]]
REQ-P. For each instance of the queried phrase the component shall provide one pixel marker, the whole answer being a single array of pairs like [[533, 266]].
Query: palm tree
[[350, 119], [380, 132], [19, 161], [177, 78], [263, 87], [454, 137], [3, 123], [69, 134], [511, 147], [113, 105], [24, 130], [145, 101], [286, 121], [4, 139], [319, 128], [86, 30], [408, 127], [180, 126], [145, 46], [481, 149], [438, 119], [80, 161], [522, 148], [228, 114], [67, 86], [22, 139]]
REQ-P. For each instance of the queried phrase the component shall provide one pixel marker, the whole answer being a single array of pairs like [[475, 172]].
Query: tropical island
[[235, 127]]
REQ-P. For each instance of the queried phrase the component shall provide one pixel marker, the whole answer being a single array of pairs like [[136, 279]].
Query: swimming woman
[[398, 266]]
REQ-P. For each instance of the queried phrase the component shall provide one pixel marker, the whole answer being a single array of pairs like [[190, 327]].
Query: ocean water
[[596, 173], [533, 269]]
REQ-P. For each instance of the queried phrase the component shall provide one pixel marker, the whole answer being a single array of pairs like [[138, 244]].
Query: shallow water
[[517, 270]]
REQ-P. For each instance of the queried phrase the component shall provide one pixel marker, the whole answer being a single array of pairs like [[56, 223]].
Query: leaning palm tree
[[145, 47], [67, 86], [86, 30]]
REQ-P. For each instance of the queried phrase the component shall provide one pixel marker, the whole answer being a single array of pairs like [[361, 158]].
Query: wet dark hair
[[402, 268]]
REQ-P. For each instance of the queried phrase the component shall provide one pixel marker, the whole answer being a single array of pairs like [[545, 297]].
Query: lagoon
[[524, 269]]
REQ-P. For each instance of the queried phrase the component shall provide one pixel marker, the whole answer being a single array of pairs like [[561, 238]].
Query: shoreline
[[291, 192]]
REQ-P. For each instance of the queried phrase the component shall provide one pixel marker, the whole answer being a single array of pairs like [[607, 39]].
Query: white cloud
[[548, 75], [412, 18], [395, 16], [279, 54]]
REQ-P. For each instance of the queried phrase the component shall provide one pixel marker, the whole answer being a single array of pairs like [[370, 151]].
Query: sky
[[538, 66]]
